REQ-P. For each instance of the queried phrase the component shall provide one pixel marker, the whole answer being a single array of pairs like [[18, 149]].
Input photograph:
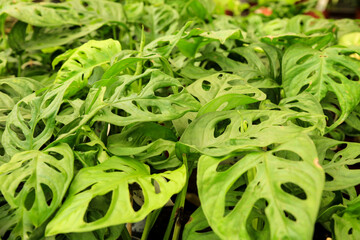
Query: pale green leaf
[[114, 176]]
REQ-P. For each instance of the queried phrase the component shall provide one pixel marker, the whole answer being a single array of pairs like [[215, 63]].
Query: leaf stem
[[19, 65], [114, 32], [179, 204], [150, 221]]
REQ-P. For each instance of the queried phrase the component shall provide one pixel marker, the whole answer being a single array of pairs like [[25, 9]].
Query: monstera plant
[[207, 125]]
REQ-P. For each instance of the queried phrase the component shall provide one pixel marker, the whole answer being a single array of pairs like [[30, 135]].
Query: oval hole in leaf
[[30, 199], [53, 167], [335, 78], [237, 57], [205, 230], [220, 127], [135, 191], [20, 186], [303, 59], [56, 155], [98, 207], [211, 64], [48, 194], [294, 189], [206, 85], [254, 221], [40, 126], [18, 131], [288, 215], [328, 177], [288, 155]]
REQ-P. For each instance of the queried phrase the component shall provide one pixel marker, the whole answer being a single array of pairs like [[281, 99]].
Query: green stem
[[19, 65], [139, 65], [179, 204], [114, 32], [150, 221]]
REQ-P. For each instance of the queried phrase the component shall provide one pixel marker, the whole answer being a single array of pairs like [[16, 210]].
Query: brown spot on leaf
[[316, 162]]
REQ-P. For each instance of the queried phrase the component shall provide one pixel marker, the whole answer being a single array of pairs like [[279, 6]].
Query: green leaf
[[79, 66], [211, 87], [114, 177], [220, 133], [31, 122], [279, 198], [148, 142], [11, 91], [335, 157], [44, 15], [160, 20], [17, 36], [149, 104], [53, 37], [321, 72], [197, 227], [36, 182], [347, 227]]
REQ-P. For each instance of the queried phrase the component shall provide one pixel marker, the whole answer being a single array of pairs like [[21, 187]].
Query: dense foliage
[[107, 108]]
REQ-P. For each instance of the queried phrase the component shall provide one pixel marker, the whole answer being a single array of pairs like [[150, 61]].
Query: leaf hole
[[53, 167], [257, 220], [289, 216], [294, 190], [350, 232], [206, 85], [205, 230], [85, 189], [113, 170], [134, 190], [39, 128], [328, 177], [304, 59], [30, 199], [288, 155], [56, 155], [335, 78], [98, 207], [20, 186], [48, 194], [221, 126], [18, 131]]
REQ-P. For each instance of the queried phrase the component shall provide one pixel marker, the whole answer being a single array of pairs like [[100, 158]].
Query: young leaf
[[320, 72], [336, 163], [114, 177], [78, 68], [272, 179], [36, 182], [220, 133]]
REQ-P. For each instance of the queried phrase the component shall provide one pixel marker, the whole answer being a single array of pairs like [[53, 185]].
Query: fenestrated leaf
[[160, 20], [148, 105], [220, 133], [320, 72], [335, 157], [148, 142], [14, 223], [198, 228], [114, 176], [36, 181], [283, 184], [347, 222], [79, 66], [52, 37], [31, 122], [208, 88], [11, 91], [44, 15]]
